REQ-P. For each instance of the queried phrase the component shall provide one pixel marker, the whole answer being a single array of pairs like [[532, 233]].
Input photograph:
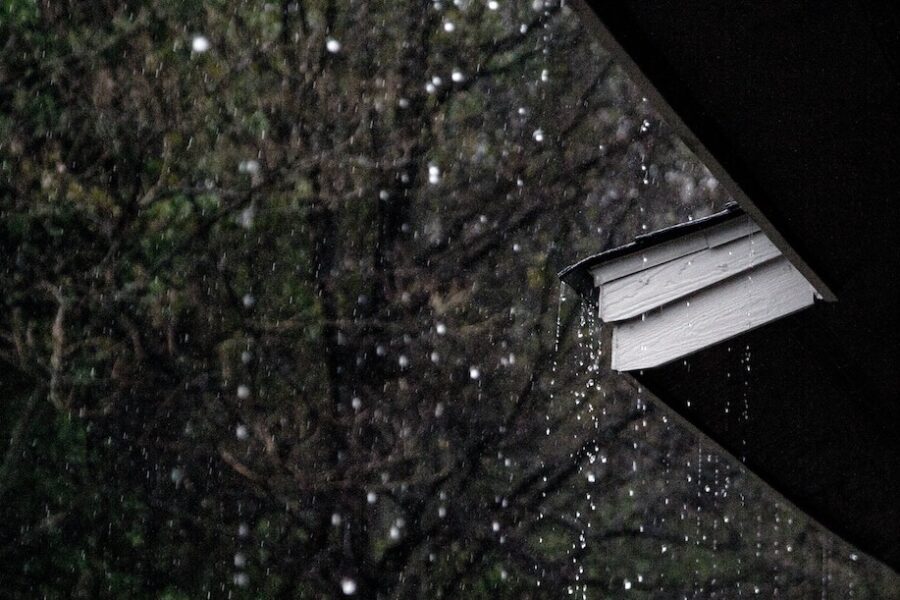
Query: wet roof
[[794, 109], [578, 276]]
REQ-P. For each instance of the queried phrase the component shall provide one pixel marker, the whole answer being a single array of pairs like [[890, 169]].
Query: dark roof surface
[[796, 110]]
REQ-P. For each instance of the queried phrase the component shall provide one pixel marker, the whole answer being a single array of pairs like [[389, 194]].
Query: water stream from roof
[[696, 506]]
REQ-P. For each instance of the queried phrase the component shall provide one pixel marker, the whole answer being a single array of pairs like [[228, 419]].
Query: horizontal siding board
[[640, 292], [655, 255], [722, 311], [726, 232], [673, 249]]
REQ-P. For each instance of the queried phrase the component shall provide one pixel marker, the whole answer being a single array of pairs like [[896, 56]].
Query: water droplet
[[200, 44], [177, 475], [434, 174], [348, 586], [246, 217], [250, 166]]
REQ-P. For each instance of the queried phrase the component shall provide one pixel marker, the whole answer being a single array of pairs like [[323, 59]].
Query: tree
[[281, 317]]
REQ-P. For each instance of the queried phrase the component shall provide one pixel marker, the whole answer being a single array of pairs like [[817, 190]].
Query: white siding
[[714, 314], [643, 291]]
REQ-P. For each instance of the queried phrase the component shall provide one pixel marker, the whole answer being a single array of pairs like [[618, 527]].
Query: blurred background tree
[[280, 316]]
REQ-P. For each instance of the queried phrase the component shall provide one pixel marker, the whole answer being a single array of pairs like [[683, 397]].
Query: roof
[[794, 110], [578, 276]]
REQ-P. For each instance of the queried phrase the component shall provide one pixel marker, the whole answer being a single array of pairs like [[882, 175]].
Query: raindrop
[[200, 44], [348, 586], [538, 135], [333, 46], [474, 372], [434, 174], [243, 392], [246, 218], [177, 475], [249, 166], [241, 432], [449, 26]]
